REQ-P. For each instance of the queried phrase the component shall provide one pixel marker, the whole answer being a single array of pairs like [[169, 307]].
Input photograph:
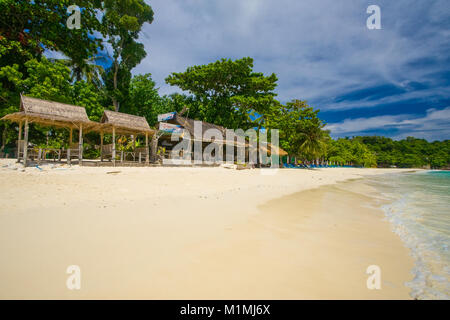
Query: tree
[[27, 29], [300, 129], [346, 151], [144, 99], [87, 95], [228, 92], [35, 26], [409, 152], [122, 22], [88, 70], [42, 79], [51, 81]]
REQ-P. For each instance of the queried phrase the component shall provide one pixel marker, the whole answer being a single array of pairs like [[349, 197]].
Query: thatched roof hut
[[188, 124], [124, 123], [50, 113]]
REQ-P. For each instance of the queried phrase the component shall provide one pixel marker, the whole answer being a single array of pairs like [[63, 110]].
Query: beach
[[196, 233]]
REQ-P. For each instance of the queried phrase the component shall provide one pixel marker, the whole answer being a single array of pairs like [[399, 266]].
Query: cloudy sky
[[394, 81]]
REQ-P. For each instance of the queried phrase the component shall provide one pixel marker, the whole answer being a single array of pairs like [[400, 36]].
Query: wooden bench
[[106, 151]]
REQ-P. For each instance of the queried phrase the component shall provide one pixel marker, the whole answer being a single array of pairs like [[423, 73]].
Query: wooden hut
[[175, 118], [127, 124], [49, 113]]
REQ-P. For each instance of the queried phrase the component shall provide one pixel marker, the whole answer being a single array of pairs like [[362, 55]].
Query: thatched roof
[[50, 113], [124, 123], [188, 124], [276, 150]]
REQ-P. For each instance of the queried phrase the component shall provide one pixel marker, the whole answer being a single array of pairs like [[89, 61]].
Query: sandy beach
[[196, 233]]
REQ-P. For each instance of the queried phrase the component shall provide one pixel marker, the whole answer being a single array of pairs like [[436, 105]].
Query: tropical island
[[92, 209], [226, 93]]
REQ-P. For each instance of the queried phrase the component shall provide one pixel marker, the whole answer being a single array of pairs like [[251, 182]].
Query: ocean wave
[[418, 213]]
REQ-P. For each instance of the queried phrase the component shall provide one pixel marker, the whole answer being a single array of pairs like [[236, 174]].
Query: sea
[[418, 207]]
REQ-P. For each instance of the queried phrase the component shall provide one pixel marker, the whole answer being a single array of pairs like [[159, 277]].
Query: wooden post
[[121, 156], [80, 146], [25, 144], [70, 145], [101, 146], [18, 141], [147, 156], [39, 156], [114, 146], [140, 157], [134, 147], [259, 157]]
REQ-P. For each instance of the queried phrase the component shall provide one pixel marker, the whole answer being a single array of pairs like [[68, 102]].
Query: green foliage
[[90, 152], [46, 80], [225, 92], [87, 70], [409, 152], [228, 92], [177, 101], [351, 151], [301, 130], [86, 95], [122, 22], [33, 26], [385, 152], [51, 81], [144, 99]]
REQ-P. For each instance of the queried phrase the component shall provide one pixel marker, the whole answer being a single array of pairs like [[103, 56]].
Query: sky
[[393, 82]]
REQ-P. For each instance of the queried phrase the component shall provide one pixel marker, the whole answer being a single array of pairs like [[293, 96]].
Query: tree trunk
[[4, 138], [154, 148], [116, 71]]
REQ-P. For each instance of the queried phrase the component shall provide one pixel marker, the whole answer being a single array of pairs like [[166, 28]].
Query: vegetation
[[301, 130], [229, 92], [409, 152], [122, 21], [226, 92], [350, 151]]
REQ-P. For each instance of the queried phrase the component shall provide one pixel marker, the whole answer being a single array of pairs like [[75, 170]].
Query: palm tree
[[84, 69], [314, 141]]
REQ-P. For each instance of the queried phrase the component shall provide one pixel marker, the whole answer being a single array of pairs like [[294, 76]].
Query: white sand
[[188, 233]]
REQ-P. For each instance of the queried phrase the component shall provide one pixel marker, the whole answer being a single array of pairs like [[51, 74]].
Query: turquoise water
[[419, 212]]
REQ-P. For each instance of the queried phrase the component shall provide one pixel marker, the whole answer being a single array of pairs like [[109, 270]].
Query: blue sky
[[394, 81]]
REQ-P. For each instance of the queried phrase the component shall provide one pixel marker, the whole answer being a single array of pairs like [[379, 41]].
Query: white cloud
[[319, 49], [435, 125]]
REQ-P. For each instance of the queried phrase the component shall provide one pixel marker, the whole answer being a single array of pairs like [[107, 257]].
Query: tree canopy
[[122, 21], [301, 130], [92, 67], [229, 92]]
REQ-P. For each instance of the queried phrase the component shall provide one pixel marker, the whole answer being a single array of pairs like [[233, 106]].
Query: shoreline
[[155, 233], [343, 226]]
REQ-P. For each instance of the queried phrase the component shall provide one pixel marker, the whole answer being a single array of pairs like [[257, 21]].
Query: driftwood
[[113, 172]]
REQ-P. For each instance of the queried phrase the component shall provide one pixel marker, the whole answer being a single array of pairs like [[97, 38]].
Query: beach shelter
[[176, 119], [49, 113], [174, 122], [188, 124], [122, 123]]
